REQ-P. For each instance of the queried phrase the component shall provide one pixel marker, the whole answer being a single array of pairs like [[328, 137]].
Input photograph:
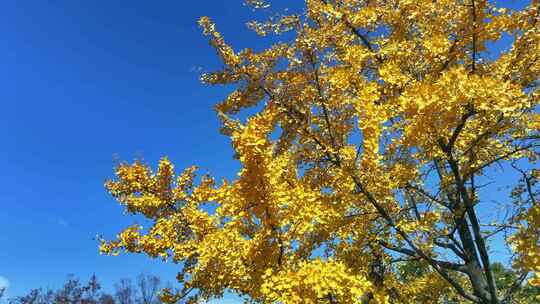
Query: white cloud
[[4, 283]]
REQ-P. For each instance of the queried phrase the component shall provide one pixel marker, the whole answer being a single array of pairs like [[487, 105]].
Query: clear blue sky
[[81, 82]]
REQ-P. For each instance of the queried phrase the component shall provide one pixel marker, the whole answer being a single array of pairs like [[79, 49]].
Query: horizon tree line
[[144, 289]]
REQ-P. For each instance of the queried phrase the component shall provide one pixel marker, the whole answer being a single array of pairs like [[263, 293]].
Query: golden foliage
[[385, 113]]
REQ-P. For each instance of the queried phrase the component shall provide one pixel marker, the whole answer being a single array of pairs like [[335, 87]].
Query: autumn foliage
[[382, 126]]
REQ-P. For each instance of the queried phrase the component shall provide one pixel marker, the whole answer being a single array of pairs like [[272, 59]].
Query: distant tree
[[124, 292], [148, 287], [72, 292], [106, 299], [35, 296], [92, 290], [144, 291]]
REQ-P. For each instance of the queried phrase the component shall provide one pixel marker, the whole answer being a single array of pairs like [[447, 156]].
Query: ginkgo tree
[[382, 129]]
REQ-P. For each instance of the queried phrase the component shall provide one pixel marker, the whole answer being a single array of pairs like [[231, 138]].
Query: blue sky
[[83, 83]]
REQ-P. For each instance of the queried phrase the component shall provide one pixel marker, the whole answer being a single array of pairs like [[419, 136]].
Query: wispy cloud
[[4, 284]]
